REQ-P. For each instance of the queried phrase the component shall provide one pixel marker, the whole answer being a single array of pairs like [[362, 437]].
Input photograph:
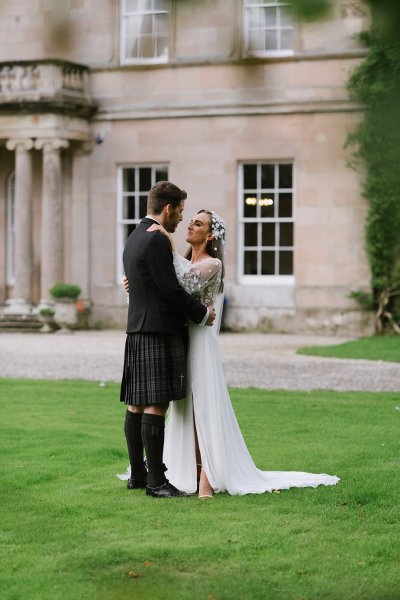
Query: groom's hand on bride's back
[[211, 315]]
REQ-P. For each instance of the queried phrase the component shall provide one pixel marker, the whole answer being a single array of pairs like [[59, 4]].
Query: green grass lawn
[[385, 348], [71, 530]]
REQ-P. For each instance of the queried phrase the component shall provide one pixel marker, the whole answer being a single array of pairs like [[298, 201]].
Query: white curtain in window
[[146, 29]]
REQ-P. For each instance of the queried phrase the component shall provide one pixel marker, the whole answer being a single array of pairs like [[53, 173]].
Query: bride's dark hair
[[214, 247]]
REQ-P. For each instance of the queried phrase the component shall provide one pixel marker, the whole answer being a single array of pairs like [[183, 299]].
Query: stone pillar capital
[[20, 144], [84, 148], [49, 144]]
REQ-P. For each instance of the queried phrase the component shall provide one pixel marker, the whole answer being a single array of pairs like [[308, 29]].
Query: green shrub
[[65, 290], [46, 312], [376, 84]]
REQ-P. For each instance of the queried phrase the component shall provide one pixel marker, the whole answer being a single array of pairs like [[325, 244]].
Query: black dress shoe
[[166, 490], [136, 483]]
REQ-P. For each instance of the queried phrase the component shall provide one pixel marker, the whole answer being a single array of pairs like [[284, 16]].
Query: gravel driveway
[[250, 359]]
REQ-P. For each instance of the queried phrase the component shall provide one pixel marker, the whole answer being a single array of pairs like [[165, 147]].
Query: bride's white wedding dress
[[224, 455]]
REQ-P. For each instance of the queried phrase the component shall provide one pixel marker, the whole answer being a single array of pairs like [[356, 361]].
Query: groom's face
[[174, 217]]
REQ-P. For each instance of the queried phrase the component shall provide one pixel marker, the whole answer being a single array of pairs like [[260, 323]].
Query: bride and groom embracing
[[172, 359]]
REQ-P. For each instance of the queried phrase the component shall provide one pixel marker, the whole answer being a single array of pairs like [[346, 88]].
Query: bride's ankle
[[205, 489]]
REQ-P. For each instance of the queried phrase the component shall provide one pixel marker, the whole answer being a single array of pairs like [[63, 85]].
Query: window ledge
[[283, 280]]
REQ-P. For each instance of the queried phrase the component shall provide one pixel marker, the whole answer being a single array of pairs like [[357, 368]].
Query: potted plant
[[65, 296], [46, 317]]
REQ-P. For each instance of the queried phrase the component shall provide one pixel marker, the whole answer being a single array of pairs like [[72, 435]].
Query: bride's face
[[198, 231]]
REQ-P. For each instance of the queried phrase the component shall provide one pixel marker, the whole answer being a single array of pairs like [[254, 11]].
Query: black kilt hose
[[154, 369]]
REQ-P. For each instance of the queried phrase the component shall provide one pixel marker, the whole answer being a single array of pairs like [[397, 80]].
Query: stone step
[[21, 324]]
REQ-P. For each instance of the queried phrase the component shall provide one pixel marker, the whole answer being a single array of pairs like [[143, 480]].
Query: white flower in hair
[[217, 226]]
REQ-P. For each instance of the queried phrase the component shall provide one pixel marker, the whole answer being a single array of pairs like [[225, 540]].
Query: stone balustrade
[[45, 84]]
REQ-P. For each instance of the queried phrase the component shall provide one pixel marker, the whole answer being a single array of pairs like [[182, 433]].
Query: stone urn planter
[[65, 313], [46, 317]]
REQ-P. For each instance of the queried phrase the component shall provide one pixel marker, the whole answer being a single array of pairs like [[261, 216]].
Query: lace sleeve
[[201, 279], [188, 275]]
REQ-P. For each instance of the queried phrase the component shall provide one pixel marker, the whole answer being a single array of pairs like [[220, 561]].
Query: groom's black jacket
[[157, 303]]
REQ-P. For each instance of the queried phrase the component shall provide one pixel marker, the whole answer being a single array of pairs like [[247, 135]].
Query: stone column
[[80, 230], [52, 246], [21, 301]]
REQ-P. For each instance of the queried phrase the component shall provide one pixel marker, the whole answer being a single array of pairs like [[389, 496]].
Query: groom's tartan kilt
[[154, 369]]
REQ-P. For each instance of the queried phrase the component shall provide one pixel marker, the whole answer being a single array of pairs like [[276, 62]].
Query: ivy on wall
[[376, 84]]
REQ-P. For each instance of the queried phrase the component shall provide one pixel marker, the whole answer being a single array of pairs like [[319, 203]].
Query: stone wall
[[202, 113]]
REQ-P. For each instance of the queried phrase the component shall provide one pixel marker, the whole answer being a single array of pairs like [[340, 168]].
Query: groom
[[155, 351]]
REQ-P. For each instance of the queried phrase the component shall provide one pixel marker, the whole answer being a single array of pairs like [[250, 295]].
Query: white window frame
[[127, 60], [264, 53], [263, 279], [10, 244], [121, 222]]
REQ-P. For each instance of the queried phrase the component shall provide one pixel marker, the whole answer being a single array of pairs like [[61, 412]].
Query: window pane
[[250, 262], [267, 176], [132, 5], [270, 16], [132, 25], [250, 177], [161, 24], [128, 176], [146, 46], [285, 176], [129, 207], [128, 230], [162, 174], [142, 206], [256, 40], [286, 39], [250, 234], [146, 24], [268, 263], [131, 47], [162, 4], [285, 206], [161, 46], [271, 39], [267, 210], [256, 17], [286, 262], [285, 16], [144, 179], [250, 206], [286, 234], [140, 6], [268, 234]]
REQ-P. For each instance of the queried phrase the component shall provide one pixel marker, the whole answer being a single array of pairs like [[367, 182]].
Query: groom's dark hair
[[163, 193]]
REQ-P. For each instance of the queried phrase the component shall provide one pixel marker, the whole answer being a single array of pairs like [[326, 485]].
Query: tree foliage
[[376, 83]]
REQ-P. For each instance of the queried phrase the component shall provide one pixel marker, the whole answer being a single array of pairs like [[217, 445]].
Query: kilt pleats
[[154, 369]]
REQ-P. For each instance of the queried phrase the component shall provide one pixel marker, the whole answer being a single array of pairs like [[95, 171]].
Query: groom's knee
[[156, 409]]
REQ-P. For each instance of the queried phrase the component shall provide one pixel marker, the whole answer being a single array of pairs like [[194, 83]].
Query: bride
[[204, 448]]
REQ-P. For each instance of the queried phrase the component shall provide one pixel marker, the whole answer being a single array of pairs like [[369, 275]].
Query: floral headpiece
[[217, 226]]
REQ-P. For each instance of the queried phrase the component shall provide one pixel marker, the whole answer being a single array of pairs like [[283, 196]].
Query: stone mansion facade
[[236, 101]]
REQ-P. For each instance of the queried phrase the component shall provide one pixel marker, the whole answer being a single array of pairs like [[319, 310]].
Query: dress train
[[224, 454]]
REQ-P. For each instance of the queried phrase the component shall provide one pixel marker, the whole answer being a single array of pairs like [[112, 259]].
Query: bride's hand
[[161, 229], [126, 284]]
